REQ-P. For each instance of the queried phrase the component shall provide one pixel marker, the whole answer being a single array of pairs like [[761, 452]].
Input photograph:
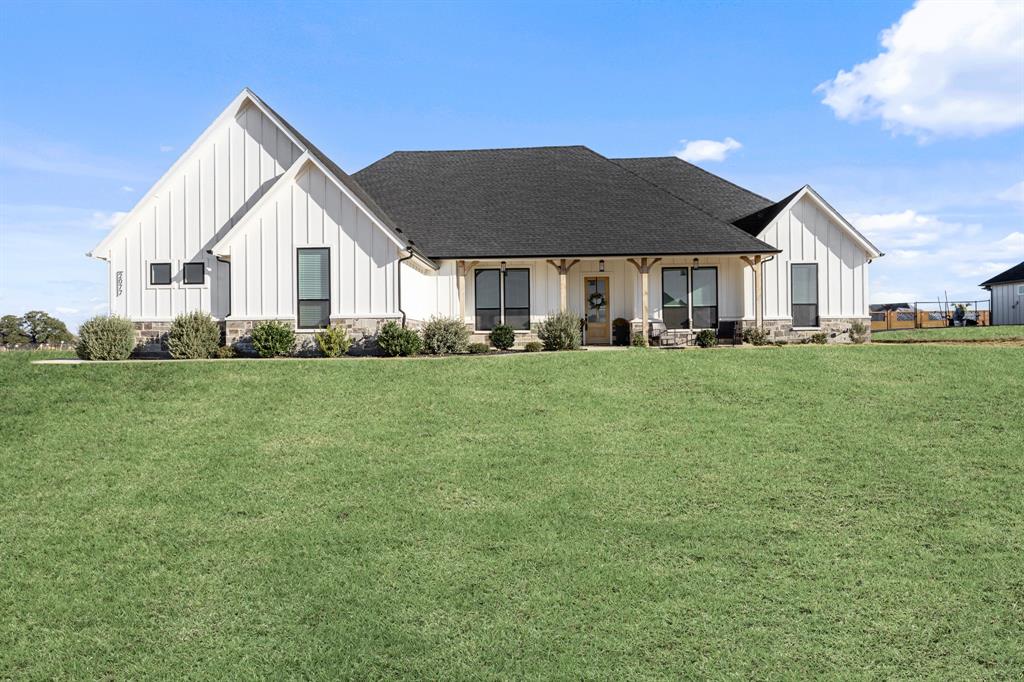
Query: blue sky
[[919, 141]]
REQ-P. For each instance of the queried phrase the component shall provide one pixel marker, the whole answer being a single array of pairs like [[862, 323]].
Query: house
[[253, 222], [1007, 295]]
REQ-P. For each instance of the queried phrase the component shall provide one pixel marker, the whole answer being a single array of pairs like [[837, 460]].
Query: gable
[[232, 163]]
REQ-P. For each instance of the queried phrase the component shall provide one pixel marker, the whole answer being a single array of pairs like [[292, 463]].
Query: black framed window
[[675, 296], [804, 287], [313, 270], [704, 298], [193, 273], [160, 273], [502, 298]]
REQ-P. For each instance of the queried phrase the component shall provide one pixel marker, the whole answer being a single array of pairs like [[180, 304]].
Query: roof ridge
[[702, 170], [676, 196], [487, 149]]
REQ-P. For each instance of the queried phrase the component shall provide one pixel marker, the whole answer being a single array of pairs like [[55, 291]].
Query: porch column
[[461, 268], [563, 269], [644, 268], [755, 265]]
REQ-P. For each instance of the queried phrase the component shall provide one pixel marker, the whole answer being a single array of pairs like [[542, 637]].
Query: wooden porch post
[[755, 265], [644, 268], [563, 270], [461, 268]]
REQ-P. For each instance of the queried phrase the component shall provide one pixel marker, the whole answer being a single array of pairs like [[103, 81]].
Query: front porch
[[667, 298]]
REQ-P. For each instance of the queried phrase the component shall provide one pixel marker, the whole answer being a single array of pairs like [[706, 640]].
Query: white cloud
[[66, 311], [126, 188], [1013, 193], [166, 148], [905, 228], [893, 297], [947, 68], [707, 150], [102, 220]]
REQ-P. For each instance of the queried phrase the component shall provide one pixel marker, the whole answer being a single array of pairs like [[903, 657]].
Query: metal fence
[[930, 314]]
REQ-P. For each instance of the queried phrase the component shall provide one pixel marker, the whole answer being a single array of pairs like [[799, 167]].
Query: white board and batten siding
[[1008, 303], [206, 192], [807, 234], [312, 211]]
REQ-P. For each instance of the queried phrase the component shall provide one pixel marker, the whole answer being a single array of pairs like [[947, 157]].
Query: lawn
[[1010, 332], [801, 512]]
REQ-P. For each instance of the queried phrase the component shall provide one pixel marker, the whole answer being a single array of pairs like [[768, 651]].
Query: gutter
[[224, 260], [400, 261]]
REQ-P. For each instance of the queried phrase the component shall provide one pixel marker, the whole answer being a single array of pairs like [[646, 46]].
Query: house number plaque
[[120, 282]]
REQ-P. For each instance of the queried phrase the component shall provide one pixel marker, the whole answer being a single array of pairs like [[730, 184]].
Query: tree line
[[34, 327]]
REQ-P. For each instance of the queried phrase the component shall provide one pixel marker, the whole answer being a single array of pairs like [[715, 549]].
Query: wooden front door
[[597, 302]]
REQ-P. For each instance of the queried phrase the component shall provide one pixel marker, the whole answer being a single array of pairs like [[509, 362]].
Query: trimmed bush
[[858, 332], [395, 340], [706, 338], [503, 337], [478, 348], [756, 336], [106, 338], [533, 347], [225, 352], [561, 331], [638, 340], [333, 342], [444, 335], [193, 335], [819, 337], [272, 338]]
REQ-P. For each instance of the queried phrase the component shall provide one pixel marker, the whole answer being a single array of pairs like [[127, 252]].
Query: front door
[[597, 304]]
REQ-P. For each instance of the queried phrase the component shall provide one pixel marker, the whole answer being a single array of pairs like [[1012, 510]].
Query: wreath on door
[[597, 300]]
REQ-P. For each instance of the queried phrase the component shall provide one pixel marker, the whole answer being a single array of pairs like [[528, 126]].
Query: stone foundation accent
[[151, 339], [837, 329]]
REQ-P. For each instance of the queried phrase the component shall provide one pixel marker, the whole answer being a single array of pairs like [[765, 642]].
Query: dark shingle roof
[[719, 197], [1014, 274], [541, 202], [758, 220]]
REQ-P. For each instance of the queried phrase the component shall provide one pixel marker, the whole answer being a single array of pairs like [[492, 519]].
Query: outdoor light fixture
[[600, 265], [503, 266], [696, 263]]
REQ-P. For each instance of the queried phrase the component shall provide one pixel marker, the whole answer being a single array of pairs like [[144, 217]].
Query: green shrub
[[533, 347], [444, 335], [226, 352], [819, 337], [393, 340], [478, 348], [638, 340], [858, 332], [503, 337], [706, 338], [560, 331], [193, 335], [272, 338], [757, 336], [333, 342], [106, 338]]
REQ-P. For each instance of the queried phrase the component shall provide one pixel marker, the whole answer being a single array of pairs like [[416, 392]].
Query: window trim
[[184, 268], [299, 300], [717, 300], [149, 274], [1020, 289], [817, 295], [501, 298], [689, 280]]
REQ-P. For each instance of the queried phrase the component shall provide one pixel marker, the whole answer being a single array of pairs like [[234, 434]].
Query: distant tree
[[11, 331], [42, 328]]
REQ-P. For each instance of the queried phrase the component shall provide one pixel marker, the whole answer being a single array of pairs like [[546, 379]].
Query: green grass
[[805, 512], [997, 333]]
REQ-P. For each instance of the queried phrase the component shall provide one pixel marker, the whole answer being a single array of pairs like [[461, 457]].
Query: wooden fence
[[885, 320]]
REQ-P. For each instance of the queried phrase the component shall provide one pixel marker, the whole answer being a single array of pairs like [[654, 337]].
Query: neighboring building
[[1007, 295], [253, 222]]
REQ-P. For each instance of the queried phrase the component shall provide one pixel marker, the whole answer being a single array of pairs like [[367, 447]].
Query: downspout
[[400, 261], [224, 260]]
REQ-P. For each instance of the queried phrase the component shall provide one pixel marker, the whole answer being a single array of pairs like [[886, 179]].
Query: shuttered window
[[675, 295], [705, 298], [314, 285], [804, 286]]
